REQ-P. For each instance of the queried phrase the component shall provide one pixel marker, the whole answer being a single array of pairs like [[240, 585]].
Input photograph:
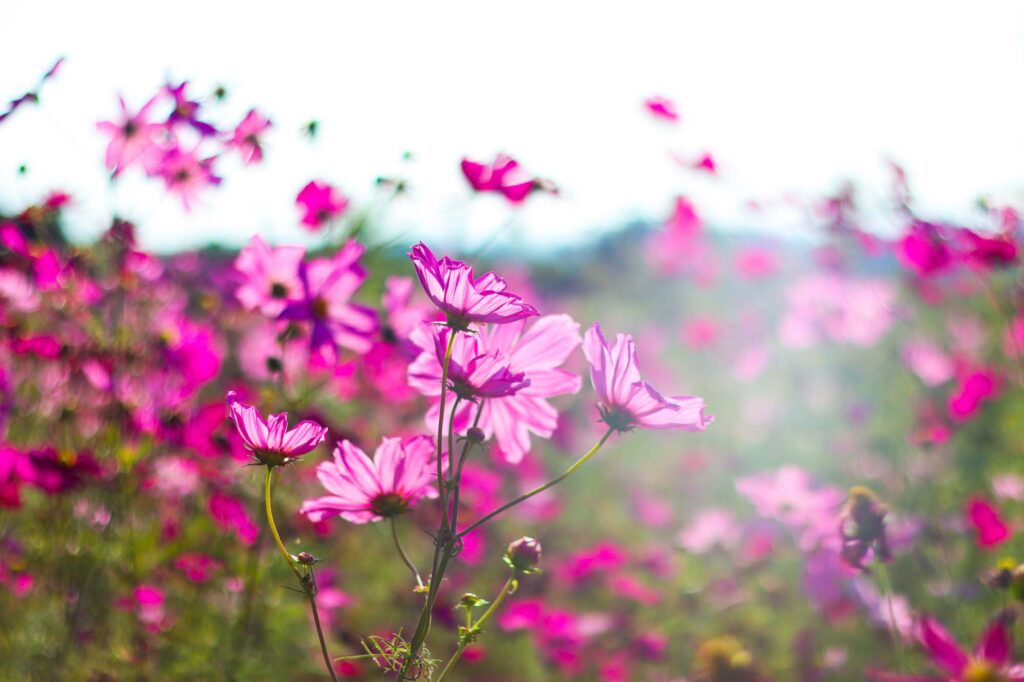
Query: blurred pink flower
[[928, 362], [271, 276], [464, 299], [984, 518], [789, 496], [320, 203], [923, 251], [971, 390], [362, 490], [185, 174], [678, 246], [662, 107], [130, 137], [328, 284], [624, 400], [835, 307], [197, 567], [246, 137], [270, 440], [710, 528], [1008, 486], [185, 111], [229, 514], [503, 175]]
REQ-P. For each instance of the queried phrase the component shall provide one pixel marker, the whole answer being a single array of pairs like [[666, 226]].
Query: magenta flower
[[185, 174], [474, 371], [984, 518], [971, 391], [923, 251], [269, 440], [271, 276], [627, 402], [246, 137], [328, 284], [130, 137], [662, 107], [503, 175], [320, 203], [461, 297], [991, 659], [186, 111], [363, 489]]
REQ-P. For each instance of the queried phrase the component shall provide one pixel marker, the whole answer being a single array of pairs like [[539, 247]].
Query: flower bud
[[475, 435], [523, 555], [306, 559]]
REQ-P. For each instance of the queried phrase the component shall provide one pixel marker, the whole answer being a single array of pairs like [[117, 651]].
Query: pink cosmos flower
[[790, 497], [185, 174], [271, 276], [991, 659], [971, 391], [678, 246], [186, 111], [246, 137], [984, 517], [989, 252], [130, 137], [709, 529], [463, 298], [320, 203], [923, 251], [535, 353], [474, 371], [503, 175], [362, 489], [624, 400], [327, 286], [229, 513], [928, 362], [270, 440], [662, 107]]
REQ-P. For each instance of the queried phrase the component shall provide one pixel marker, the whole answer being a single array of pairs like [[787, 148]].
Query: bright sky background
[[790, 97]]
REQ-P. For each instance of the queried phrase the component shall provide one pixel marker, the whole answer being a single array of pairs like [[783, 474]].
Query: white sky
[[789, 96]]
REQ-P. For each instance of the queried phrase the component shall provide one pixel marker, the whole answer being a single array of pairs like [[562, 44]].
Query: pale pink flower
[[270, 440], [928, 362], [624, 400], [271, 276], [463, 298], [246, 137], [185, 174], [362, 489], [709, 529], [130, 137]]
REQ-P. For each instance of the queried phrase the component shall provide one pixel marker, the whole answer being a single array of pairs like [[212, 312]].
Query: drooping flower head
[[463, 298], [327, 286], [270, 440], [624, 400], [271, 276], [361, 489], [504, 175]]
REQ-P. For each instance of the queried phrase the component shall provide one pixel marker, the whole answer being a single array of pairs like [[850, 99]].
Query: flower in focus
[[270, 440], [361, 489], [246, 137], [130, 137], [990, 661], [474, 371], [320, 203], [624, 400], [327, 286], [271, 276], [662, 107], [503, 175], [463, 298], [523, 555]]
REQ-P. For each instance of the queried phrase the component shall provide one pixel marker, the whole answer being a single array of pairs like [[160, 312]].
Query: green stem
[[440, 427], [553, 482], [887, 593], [305, 579], [403, 553], [472, 631], [457, 480]]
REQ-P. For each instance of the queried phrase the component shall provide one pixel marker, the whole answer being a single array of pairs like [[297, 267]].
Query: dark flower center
[[278, 290], [389, 504], [616, 418], [319, 308], [130, 128]]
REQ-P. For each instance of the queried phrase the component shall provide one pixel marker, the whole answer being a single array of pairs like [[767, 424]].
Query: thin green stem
[[440, 427], [457, 480], [403, 553], [273, 527], [883, 579], [451, 438], [539, 489], [320, 633], [475, 629]]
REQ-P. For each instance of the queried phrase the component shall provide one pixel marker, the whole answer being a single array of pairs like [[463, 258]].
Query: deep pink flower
[[270, 440], [362, 489], [186, 111], [246, 137], [328, 284], [229, 514], [923, 251], [271, 276], [465, 299], [984, 517], [624, 400], [503, 175], [989, 252], [474, 371], [320, 203], [662, 107], [197, 567], [991, 659], [185, 174], [971, 390], [130, 137]]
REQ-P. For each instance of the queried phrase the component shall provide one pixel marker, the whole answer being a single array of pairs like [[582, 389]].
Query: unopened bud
[[523, 555], [306, 559], [475, 435]]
